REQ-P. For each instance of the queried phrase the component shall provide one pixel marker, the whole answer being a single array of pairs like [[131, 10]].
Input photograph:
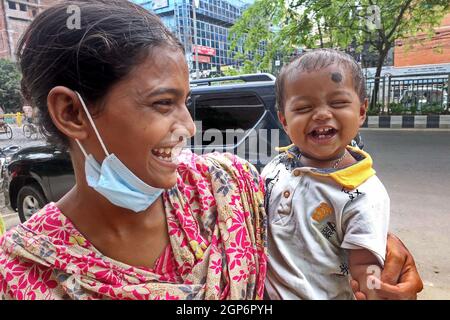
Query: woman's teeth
[[167, 154], [163, 153]]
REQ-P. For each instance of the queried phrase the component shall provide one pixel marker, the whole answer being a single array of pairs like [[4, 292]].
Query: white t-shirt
[[314, 216]]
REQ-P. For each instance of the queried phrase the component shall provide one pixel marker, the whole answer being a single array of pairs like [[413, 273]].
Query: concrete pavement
[[414, 166]]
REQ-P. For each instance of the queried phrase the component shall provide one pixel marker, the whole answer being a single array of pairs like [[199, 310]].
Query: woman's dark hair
[[112, 38], [318, 59]]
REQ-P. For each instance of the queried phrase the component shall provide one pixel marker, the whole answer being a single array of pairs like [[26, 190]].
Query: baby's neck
[[343, 160]]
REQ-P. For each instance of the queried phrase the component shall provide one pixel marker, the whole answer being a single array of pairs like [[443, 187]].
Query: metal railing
[[410, 94]]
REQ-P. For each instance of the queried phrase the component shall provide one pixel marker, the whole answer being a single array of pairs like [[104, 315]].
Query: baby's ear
[[282, 119], [363, 111]]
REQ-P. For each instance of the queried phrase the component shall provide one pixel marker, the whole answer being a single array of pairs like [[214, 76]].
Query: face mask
[[113, 180]]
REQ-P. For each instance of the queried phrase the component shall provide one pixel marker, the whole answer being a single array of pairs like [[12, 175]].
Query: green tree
[[10, 98], [286, 25]]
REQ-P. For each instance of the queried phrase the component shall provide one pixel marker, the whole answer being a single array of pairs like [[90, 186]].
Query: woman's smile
[[167, 156]]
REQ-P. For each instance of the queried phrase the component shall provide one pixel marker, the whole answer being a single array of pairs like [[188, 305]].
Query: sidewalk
[[408, 121]]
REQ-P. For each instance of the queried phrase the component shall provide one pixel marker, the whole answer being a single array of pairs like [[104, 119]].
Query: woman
[[143, 221]]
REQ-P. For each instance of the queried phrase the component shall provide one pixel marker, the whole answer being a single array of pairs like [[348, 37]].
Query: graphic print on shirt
[[323, 220], [352, 194]]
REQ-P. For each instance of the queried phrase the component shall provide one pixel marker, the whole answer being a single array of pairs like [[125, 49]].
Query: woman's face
[[144, 116]]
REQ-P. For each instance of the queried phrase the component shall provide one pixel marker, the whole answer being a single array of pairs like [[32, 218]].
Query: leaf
[[282, 27], [10, 98]]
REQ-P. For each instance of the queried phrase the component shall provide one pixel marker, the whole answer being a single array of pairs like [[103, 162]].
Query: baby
[[328, 212]]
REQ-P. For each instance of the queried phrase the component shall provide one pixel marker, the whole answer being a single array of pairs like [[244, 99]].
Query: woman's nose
[[185, 124]]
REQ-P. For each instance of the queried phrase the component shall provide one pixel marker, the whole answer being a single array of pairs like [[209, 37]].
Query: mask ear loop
[[82, 149], [93, 126]]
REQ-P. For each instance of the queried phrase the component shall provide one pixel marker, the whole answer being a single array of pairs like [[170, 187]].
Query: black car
[[34, 176], [237, 116]]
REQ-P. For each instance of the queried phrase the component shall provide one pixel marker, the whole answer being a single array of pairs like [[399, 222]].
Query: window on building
[[12, 5], [23, 7]]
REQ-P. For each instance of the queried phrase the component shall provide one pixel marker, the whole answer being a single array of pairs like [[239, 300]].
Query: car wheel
[[29, 201]]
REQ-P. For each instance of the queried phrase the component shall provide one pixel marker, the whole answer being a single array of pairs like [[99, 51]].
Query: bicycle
[[5, 129], [30, 131]]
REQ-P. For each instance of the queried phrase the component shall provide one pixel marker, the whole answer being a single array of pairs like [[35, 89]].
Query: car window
[[227, 111]]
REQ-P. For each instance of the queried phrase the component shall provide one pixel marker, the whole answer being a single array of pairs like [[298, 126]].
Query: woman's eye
[[163, 106], [163, 102], [189, 102]]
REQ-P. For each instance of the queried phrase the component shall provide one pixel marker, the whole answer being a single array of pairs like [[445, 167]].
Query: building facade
[[213, 20], [15, 16], [425, 51]]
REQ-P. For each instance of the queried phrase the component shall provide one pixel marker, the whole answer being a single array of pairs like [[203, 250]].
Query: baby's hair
[[318, 59]]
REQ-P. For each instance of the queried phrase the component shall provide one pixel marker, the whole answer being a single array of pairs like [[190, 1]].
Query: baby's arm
[[365, 226], [363, 264]]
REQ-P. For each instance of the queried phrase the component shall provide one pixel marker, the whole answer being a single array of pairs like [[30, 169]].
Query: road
[[19, 139], [415, 168]]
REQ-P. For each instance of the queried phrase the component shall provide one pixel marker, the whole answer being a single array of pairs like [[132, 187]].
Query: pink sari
[[217, 229]]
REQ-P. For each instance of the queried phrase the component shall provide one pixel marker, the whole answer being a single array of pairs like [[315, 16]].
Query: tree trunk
[[320, 34], [376, 87]]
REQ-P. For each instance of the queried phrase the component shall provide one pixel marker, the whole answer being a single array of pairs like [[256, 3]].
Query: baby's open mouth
[[323, 133]]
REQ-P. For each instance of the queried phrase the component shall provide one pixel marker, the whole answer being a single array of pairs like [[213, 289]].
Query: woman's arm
[[400, 279]]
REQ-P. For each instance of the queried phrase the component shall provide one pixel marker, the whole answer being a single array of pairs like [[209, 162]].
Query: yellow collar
[[353, 176], [350, 177]]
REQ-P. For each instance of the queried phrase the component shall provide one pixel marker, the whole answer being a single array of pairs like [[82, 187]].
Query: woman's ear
[[67, 113], [363, 112]]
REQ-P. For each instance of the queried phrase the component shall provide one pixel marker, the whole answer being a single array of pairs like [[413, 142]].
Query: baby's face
[[322, 112]]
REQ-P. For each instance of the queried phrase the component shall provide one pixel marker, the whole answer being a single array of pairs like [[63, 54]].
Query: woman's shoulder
[[48, 224]]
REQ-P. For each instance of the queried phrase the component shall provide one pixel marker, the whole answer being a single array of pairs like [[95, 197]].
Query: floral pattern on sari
[[218, 250]]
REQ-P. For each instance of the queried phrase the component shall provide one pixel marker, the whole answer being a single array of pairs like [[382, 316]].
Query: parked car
[[239, 104], [420, 97], [34, 176], [6, 153]]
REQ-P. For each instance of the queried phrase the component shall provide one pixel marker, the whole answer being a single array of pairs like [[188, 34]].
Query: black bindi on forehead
[[336, 77]]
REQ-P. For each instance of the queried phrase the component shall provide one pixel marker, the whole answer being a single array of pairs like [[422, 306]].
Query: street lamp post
[[194, 17]]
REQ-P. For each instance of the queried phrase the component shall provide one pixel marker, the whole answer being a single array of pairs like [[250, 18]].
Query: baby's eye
[[340, 104], [303, 109]]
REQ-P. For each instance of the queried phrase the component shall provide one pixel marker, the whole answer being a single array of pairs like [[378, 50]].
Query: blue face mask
[[113, 180]]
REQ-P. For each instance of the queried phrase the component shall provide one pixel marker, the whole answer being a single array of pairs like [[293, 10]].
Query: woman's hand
[[399, 279]]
